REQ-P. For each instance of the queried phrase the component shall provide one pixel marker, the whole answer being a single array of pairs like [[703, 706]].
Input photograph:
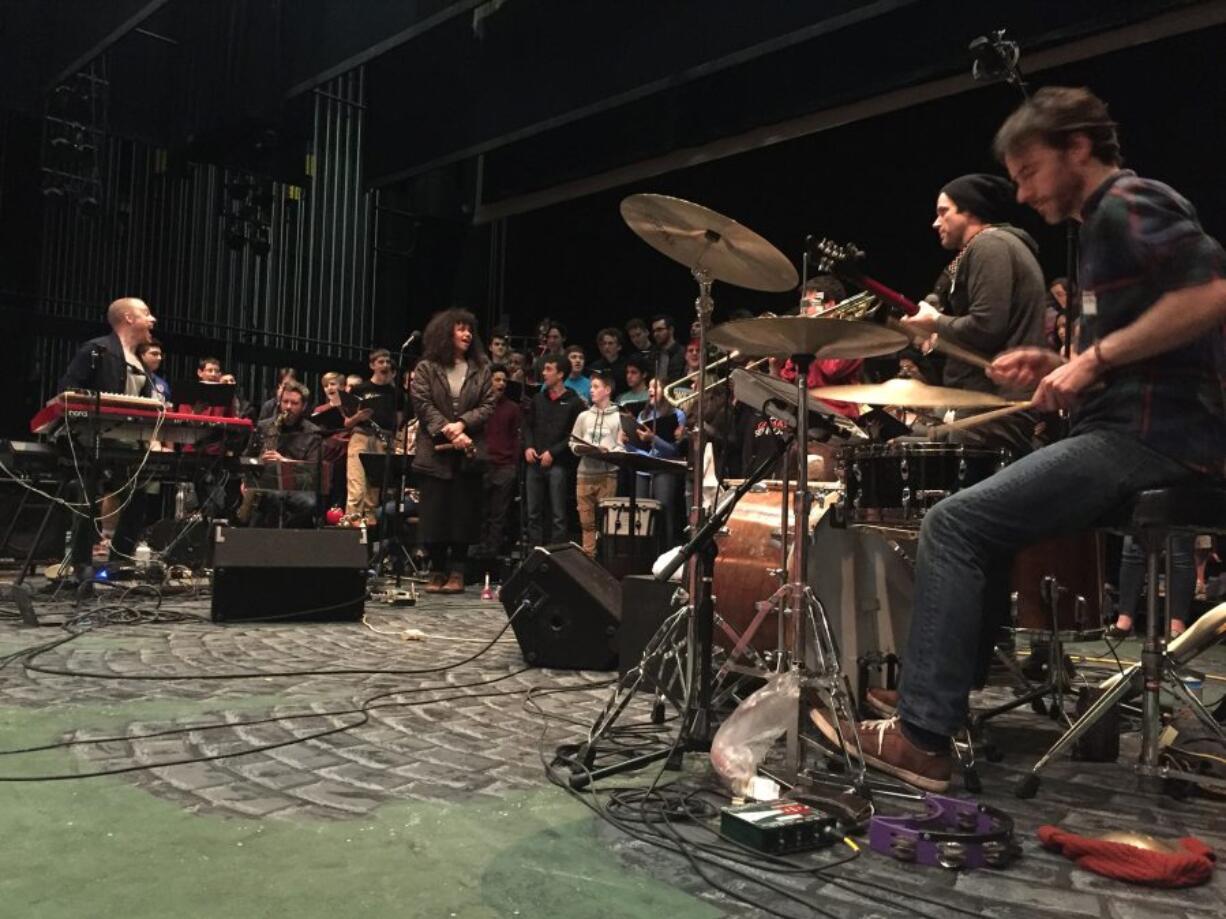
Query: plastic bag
[[742, 741]]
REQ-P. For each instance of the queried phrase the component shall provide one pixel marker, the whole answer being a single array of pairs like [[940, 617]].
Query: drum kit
[[747, 590]]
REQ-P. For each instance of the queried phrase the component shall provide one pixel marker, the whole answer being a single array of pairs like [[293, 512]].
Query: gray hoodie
[[996, 302], [599, 427]]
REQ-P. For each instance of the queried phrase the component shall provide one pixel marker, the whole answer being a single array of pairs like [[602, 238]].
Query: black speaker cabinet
[[181, 542], [288, 575], [565, 610], [646, 603]]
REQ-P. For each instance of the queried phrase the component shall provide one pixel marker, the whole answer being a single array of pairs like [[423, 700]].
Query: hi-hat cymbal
[[758, 389], [908, 393], [784, 336], [698, 237]]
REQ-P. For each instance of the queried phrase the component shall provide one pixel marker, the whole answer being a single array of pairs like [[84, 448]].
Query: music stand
[[389, 466], [634, 463]]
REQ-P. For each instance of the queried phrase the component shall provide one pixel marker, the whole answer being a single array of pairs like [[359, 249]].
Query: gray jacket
[[432, 404]]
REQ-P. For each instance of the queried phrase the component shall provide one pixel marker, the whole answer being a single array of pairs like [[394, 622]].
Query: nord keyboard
[[130, 419]]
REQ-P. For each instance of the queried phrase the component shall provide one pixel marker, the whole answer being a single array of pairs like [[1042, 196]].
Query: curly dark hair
[[436, 343]]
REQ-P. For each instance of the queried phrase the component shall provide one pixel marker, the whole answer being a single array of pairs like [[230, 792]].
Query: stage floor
[[436, 809]]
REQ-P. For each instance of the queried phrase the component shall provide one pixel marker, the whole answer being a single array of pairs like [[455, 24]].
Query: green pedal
[[777, 827]]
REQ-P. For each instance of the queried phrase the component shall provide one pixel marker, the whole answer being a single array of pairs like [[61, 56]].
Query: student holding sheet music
[[372, 425], [598, 426], [658, 431], [329, 416]]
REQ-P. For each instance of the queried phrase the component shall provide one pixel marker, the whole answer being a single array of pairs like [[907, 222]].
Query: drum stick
[[975, 420], [955, 351]]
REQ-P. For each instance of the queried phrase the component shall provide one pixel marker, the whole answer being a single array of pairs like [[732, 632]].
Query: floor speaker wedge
[[565, 610]]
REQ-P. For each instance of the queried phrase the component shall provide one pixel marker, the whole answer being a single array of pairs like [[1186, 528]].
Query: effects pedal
[[778, 827]]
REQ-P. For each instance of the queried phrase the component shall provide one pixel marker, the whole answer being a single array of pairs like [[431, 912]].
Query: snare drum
[[899, 482]]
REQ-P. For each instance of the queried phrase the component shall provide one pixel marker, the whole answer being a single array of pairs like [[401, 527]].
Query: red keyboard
[[130, 419]]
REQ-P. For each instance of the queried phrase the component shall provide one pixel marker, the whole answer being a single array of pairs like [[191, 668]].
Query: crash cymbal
[[698, 237], [784, 336], [909, 393]]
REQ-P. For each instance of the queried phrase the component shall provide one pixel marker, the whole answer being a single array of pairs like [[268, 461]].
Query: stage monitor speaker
[[564, 609], [646, 603], [275, 575]]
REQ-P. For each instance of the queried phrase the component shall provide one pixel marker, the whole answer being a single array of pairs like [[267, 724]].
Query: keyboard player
[[109, 364]]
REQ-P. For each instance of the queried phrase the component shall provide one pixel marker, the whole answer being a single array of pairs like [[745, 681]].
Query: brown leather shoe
[[436, 582], [883, 701], [886, 748], [454, 585]]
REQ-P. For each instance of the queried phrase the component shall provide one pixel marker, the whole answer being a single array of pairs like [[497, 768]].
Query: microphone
[[413, 336]]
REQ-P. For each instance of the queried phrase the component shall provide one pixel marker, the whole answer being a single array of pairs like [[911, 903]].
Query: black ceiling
[[548, 90]]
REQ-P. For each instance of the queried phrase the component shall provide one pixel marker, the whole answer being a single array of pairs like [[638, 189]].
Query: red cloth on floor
[[1119, 860]]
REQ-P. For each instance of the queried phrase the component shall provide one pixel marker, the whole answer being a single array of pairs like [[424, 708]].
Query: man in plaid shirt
[[1145, 392]]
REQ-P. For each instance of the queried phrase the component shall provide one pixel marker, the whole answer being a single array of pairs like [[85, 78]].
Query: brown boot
[[436, 582], [883, 701], [455, 584], [888, 749]]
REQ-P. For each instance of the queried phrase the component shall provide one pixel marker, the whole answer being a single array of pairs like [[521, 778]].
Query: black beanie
[[988, 197]]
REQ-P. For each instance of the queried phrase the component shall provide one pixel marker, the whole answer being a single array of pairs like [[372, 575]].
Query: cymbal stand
[[796, 599], [701, 625]]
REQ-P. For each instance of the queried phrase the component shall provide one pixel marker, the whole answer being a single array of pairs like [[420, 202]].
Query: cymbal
[[783, 336], [698, 237], [758, 389], [909, 393]]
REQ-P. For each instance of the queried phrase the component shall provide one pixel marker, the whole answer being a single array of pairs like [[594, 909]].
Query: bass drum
[[750, 559], [864, 577], [1075, 563]]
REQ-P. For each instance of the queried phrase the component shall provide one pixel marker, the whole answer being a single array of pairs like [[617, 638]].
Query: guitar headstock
[[837, 257]]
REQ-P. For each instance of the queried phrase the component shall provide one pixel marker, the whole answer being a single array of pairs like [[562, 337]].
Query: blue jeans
[[537, 481], [966, 539], [1183, 577]]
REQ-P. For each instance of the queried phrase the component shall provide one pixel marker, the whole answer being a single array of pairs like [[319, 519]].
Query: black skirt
[[450, 509]]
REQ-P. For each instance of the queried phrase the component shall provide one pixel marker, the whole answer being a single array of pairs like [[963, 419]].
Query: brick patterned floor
[[465, 744]]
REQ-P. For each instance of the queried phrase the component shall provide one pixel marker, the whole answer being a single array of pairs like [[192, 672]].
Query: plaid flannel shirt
[[1140, 239]]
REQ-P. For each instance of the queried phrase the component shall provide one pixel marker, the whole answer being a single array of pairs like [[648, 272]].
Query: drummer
[[1145, 394], [992, 296]]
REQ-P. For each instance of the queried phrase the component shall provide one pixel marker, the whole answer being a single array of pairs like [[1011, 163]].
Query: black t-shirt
[[382, 398]]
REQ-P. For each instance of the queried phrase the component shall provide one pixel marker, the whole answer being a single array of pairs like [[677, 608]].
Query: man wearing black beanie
[[996, 295]]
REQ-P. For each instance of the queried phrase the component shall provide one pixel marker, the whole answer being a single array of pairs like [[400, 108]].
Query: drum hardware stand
[[1057, 685], [797, 599], [1155, 670], [681, 650]]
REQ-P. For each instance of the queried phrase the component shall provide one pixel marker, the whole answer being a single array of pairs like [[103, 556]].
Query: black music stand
[[633, 463], [389, 467]]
